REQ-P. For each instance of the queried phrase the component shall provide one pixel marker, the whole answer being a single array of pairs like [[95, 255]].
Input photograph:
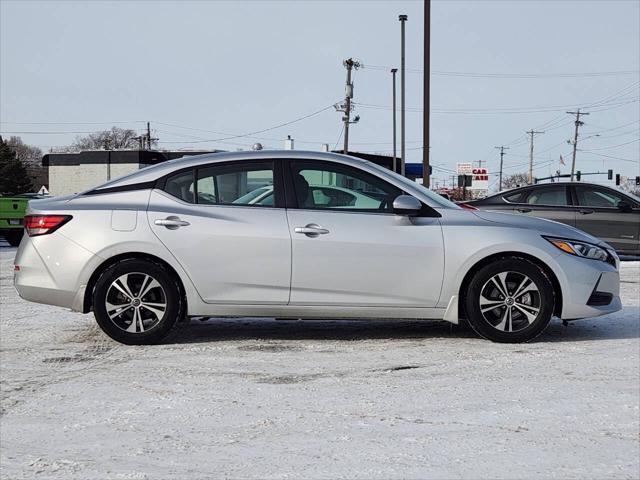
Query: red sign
[[480, 174]]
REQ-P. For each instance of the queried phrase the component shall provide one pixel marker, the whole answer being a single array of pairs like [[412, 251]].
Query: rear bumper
[[50, 270]]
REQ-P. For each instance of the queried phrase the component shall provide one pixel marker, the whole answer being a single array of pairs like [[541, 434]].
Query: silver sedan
[[339, 237]]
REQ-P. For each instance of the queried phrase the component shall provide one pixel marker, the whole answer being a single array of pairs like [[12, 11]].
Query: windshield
[[434, 197]]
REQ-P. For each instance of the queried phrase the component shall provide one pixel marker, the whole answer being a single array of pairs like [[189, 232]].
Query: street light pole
[[403, 19], [395, 157], [425, 109]]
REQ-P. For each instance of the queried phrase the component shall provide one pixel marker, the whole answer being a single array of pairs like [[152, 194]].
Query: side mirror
[[406, 205], [625, 207]]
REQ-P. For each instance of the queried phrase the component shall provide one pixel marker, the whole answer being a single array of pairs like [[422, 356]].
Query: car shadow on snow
[[224, 329]]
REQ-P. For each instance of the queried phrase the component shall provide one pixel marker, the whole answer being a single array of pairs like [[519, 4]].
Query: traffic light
[[578, 175], [637, 181], [617, 179], [609, 174]]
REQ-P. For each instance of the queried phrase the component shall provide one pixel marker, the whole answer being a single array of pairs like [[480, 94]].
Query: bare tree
[[631, 187], [114, 139], [515, 180], [31, 158]]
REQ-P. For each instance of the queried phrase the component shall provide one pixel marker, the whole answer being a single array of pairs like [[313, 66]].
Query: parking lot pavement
[[249, 398]]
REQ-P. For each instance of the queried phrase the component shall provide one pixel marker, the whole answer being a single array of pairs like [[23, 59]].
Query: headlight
[[580, 249]]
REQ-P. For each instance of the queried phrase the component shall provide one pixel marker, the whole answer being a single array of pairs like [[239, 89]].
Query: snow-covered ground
[[317, 399]]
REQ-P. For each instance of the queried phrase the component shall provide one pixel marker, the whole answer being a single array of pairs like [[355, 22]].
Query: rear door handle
[[311, 230], [585, 211], [172, 222], [524, 210]]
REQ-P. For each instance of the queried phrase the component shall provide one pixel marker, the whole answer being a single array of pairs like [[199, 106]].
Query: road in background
[[247, 398]]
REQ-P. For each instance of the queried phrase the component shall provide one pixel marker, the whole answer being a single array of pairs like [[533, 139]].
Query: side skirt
[[313, 311]]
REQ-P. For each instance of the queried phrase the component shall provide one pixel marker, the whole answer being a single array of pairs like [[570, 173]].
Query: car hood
[[540, 225]]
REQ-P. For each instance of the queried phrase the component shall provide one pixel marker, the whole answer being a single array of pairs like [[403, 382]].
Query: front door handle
[[585, 211], [172, 222], [311, 230], [524, 210]]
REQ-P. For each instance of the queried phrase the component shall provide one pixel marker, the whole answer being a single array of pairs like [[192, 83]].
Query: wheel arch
[[88, 293], [557, 309]]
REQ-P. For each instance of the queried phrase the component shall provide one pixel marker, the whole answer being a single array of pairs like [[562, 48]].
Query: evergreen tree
[[13, 175]]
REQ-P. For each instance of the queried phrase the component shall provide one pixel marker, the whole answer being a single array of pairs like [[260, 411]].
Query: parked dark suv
[[604, 212]]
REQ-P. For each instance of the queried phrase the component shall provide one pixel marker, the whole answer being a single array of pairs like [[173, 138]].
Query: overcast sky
[[237, 67]]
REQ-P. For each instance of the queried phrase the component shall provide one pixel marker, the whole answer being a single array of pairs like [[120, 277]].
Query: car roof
[[154, 172]]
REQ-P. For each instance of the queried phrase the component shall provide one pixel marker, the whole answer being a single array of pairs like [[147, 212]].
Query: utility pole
[[147, 138], [575, 139], [502, 149], [532, 133], [395, 157], [403, 19], [425, 106], [348, 94], [349, 64]]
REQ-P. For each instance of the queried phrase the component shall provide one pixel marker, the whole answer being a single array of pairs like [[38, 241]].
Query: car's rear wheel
[[137, 302], [14, 237], [510, 301]]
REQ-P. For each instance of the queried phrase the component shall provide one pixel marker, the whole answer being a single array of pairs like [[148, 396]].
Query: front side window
[[595, 197], [548, 196], [327, 186]]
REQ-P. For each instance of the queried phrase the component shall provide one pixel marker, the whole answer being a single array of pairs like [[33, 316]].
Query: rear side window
[[236, 184], [548, 196]]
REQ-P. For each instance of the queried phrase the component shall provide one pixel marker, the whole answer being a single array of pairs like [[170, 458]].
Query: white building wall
[[66, 179]]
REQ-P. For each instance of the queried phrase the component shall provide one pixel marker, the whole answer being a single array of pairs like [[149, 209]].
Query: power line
[[611, 146], [249, 134], [446, 73], [615, 158], [74, 123], [499, 110]]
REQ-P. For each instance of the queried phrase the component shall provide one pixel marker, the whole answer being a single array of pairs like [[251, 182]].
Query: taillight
[[44, 224]]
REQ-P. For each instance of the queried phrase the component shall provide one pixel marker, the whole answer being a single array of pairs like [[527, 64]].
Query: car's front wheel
[[510, 301], [137, 302]]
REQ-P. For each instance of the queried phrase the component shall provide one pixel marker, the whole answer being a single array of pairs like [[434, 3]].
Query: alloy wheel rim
[[136, 302], [510, 301]]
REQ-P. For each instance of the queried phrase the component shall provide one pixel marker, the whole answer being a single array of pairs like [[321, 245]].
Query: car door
[[350, 249], [234, 251], [551, 201], [601, 215]]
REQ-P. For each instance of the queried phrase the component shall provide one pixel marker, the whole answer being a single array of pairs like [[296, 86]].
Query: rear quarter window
[[517, 197], [180, 186]]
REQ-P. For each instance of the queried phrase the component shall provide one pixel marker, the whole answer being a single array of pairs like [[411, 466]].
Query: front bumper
[[589, 287]]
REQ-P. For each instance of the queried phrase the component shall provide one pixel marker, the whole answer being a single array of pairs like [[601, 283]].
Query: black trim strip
[[123, 188]]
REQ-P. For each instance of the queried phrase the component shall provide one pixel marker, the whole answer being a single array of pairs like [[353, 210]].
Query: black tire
[[512, 319], [14, 237], [158, 327]]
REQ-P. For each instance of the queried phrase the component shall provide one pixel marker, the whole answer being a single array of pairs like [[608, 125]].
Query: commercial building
[[76, 172]]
